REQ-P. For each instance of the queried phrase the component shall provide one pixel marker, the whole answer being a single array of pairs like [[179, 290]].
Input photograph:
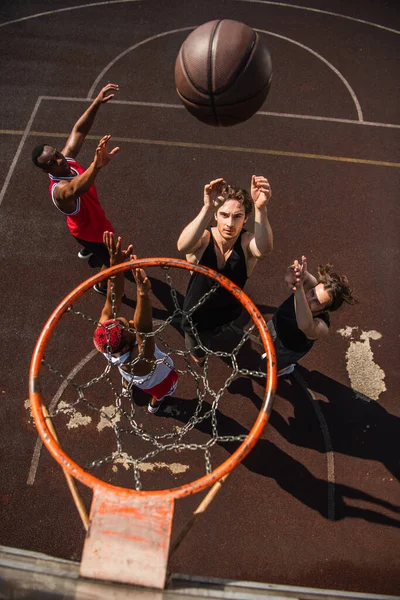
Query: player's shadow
[[162, 291], [357, 427], [266, 459]]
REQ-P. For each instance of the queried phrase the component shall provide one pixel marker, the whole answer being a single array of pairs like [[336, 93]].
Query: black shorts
[[98, 249], [284, 356]]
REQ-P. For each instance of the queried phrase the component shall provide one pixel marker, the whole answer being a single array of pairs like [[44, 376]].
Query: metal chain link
[[204, 391]]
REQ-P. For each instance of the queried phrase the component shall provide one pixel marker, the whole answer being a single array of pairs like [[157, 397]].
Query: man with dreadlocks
[[130, 345], [303, 318], [227, 248]]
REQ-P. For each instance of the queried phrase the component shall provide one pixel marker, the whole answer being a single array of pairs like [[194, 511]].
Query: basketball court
[[316, 502]]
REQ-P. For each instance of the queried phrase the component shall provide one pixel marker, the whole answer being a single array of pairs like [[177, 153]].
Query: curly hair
[[242, 196], [337, 286], [108, 336]]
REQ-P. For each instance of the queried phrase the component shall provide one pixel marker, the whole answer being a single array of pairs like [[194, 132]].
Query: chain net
[[134, 445]]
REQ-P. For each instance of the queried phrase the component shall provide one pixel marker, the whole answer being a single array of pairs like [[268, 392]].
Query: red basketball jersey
[[88, 222]]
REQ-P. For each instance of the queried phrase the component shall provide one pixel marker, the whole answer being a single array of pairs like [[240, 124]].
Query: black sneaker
[[100, 289], [103, 290], [84, 254]]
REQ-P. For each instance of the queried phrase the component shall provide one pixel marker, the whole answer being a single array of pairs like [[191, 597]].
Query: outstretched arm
[[262, 241], [66, 193], [313, 327], [85, 122], [117, 256], [192, 236], [143, 317]]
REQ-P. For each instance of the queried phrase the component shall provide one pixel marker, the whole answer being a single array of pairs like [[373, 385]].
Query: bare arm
[[66, 193], [117, 256], [143, 317], [192, 236], [85, 122], [262, 241], [312, 327]]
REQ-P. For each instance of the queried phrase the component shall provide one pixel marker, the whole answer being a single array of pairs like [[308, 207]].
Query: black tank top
[[221, 307], [287, 330]]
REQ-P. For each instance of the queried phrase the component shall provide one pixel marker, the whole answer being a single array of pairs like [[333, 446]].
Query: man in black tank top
[[227, 248], [303, 318]]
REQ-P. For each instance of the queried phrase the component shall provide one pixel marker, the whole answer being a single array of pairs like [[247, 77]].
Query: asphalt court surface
[[316, 502]]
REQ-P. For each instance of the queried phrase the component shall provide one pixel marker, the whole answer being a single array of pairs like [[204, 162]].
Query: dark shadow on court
[[268, 460], [162, 292], [357, 427]]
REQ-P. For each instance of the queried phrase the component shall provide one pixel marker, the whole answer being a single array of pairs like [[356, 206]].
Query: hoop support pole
[[70, 481], [202, 507]]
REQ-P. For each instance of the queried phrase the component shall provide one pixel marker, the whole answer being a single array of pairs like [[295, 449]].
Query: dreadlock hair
[[337, 286], [108, 336], [36, 152], [242, 196]]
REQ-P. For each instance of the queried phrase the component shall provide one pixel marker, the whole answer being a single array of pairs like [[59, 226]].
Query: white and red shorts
[[165, 387]]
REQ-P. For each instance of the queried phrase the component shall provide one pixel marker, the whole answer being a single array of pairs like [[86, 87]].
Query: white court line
[[27, 132], [324, 12], [328, 119], [284, 4], [19, 149], [122, 54], [330, 65], [172, 31], [263, 113], [53, 404], [330, 457], [68, 8]]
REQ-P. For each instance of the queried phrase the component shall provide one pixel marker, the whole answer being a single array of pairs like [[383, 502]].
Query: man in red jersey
[[72, 188]]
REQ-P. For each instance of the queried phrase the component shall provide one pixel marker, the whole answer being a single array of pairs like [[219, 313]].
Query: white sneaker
[[84, 254], [287, 371]]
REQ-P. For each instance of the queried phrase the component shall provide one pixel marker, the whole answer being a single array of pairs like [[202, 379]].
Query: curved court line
[[53, 404], [324, 12], [330, 457], [172, 31], [330, 65], [122, 54], [320, 417], [284, 4], [68, 8]]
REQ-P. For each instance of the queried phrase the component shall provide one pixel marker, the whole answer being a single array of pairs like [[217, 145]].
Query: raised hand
[[103, 156], [143, 283], [300, 271], [214, 194], [117, 255], [102, 98], [290, 278], [260, 191]]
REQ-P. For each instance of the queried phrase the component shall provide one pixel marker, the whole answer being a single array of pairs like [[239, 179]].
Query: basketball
[[223, 72]]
